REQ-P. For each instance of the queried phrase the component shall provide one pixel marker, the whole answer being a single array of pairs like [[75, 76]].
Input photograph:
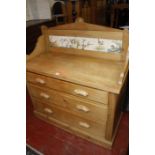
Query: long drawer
[[67, 87], [69, 120], [89, 110]]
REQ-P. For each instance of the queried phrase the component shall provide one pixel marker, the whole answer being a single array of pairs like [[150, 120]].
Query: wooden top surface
[[92, 72]]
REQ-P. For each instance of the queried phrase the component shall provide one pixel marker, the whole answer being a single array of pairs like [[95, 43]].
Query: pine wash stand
[[76, 78]]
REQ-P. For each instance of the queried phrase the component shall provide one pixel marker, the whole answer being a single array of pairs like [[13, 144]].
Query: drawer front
[[77, 90], [71, 121], [90, 110]]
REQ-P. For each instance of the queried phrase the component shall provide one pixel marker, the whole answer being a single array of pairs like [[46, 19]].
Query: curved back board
[[87, 39]]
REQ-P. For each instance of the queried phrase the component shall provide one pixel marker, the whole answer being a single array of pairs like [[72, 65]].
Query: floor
[[51, 140]]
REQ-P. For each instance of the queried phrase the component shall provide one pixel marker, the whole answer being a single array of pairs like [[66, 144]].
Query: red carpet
[[51, 140]]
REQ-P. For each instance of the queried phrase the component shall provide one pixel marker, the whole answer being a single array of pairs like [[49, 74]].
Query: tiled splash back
[[84, 43]]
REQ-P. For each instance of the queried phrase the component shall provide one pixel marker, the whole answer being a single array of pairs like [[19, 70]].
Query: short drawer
[[90, 110], [71, 121], [67, 87]]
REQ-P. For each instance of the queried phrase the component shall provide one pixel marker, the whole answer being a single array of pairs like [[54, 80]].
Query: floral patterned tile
[[91, 44]]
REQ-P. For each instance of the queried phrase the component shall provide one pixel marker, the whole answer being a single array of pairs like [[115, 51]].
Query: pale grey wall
[[38, 9]]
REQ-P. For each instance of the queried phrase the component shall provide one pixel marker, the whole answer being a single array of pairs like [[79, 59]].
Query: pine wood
[[111, 115], [85, 71], [80, 93], [62, 86], [81, 25], [90, 34], [90, 128], [40, 48], [111, 56], [102, 142], [81, 107], [80, 28]]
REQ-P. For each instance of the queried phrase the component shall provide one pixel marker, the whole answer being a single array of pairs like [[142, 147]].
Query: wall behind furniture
[[38, 9]]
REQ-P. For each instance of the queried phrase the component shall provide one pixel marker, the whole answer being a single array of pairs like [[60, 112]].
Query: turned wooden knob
[[48, 110], [41, 81], [84, 124], [57, 73], [120, 82], [79, 20], [82, 108], [80, 92], [122, 75], [44, 95]]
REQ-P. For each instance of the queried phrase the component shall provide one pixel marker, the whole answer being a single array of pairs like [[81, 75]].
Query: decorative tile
[[90, 44]]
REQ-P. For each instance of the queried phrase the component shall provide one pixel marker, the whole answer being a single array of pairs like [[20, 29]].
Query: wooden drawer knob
[[82, 108], [80, 92], [44, 95], [48, 110], [41, 81], [84, 124]]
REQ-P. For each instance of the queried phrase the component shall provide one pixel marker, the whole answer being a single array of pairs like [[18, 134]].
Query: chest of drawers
[[76, 88]]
